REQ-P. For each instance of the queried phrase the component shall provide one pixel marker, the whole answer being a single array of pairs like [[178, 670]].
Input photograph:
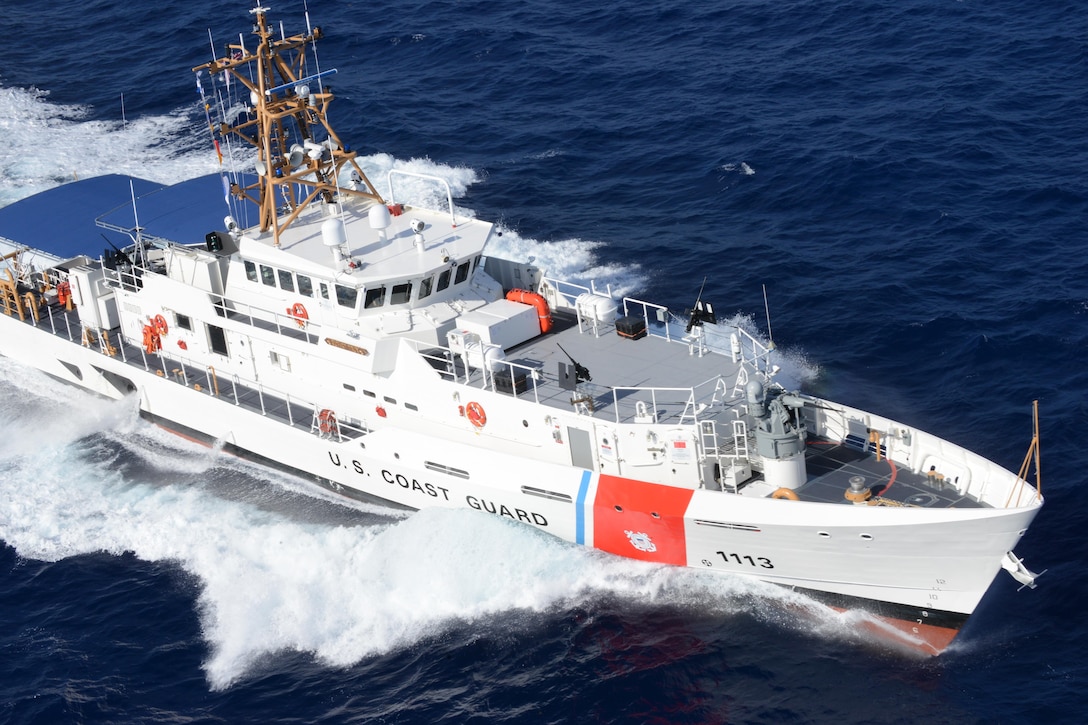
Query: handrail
[[661, 318], [426, 177], [653, 391], [555, 288]]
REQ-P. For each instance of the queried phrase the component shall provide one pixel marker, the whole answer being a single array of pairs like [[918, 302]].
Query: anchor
[[1015, 566]]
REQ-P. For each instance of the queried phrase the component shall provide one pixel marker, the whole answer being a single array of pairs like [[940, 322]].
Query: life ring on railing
[[786, 493], [160, 324], [543, 312], [326, 423], [475, 414], [152, 341], [298, 311]]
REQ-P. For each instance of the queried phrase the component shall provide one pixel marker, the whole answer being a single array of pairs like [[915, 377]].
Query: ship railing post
[[143, 355], [260, 396], [68, 323], [234, 389], [52, 322], [213, 381], [290, 417], [162, 361]]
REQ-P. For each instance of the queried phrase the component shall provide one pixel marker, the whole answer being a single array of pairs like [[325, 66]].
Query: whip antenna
[[767, 311]]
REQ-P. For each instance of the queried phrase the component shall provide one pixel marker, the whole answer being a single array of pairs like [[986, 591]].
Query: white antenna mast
[[136, 218], [767, 310]]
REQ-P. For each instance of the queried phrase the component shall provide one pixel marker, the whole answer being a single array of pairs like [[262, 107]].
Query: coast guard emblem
[[641, 541]]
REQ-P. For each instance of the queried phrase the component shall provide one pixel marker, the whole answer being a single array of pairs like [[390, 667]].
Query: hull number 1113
[[759, 561]]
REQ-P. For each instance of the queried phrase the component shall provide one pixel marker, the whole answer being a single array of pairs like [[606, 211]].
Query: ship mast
[[289, 115]]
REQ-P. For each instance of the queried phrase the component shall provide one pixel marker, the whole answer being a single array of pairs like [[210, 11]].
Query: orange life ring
[[786, 493], [326, 420], [543, 312], [475, 413], [298, 311], [160, 324]]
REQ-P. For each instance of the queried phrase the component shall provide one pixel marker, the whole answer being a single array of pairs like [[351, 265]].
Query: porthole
[[823, 534], [619, 508], [655, 514], [865, 537]]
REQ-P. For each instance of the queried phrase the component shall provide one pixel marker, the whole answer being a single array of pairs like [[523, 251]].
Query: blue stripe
[[580, 509]]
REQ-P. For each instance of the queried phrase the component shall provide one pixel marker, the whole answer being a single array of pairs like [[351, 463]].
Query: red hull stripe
[[640, 520]]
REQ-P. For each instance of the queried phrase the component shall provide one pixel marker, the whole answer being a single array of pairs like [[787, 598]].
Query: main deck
[[664, 377]]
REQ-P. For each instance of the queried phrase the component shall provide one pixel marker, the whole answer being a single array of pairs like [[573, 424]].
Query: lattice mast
[[293, 168]]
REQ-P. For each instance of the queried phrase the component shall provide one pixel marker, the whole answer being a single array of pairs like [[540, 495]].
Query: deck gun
[[581, 372], [701, 312]]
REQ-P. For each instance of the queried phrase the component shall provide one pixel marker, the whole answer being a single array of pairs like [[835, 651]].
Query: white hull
[[931, 563]]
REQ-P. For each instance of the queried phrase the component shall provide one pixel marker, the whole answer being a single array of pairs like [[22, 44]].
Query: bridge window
[[375, 297], [402, 293], [346, 296], [443, 280], [305, 285], [287, 280], [324, 291], [425, 287], [268, 275], [251, 271], [462, 272]]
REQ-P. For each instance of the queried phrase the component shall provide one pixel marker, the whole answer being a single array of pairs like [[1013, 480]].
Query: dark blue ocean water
[[906, 178]]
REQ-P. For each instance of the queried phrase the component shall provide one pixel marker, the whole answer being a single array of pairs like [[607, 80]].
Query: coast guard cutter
[[301, 316]]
